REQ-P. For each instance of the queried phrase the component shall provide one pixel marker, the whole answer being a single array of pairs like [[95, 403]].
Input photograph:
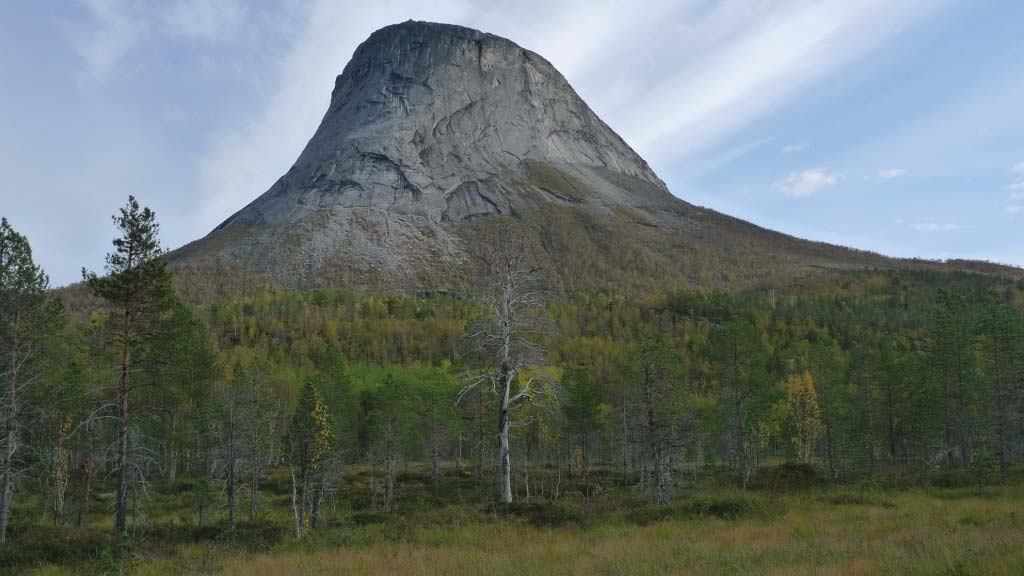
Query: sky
[[895, 127]]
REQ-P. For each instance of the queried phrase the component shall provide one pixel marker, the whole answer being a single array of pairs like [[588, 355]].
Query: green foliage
[[723, 507], [136, 273], [582, 401], [786, 477], [873, 377]]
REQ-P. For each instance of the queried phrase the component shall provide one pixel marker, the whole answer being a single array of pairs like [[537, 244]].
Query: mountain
[[439, 138]]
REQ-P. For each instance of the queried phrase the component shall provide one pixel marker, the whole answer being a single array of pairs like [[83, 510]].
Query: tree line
[[871, 374]]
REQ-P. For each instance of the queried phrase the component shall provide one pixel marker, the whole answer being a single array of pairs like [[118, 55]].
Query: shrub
[[367, 517], [723, 507], [951, 478], [985, 468], [787, 477], [545, 513]]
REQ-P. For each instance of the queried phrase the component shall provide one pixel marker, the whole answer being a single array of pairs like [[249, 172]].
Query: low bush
[[60, 545], [786, 477], [723, 507], [951, 478], [545, 513]]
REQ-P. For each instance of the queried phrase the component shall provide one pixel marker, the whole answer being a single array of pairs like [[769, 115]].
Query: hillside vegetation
[[203, 422]]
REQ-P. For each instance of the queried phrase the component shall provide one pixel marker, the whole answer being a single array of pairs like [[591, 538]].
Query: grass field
[[821, 530]]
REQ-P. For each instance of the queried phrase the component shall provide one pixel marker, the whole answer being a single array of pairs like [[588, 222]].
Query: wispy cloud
[[807, 183], [1018, 168], [1014, 210], [204, 19], [892, 173], [794, 148], [115, 28], [742, 60], [936, 227]]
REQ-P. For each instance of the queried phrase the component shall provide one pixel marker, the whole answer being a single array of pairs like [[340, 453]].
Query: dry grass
[[950, 532]]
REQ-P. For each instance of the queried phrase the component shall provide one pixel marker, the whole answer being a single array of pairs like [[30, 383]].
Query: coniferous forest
[[151, 419]]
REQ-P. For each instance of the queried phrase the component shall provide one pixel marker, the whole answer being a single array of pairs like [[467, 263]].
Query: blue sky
[[889, 126]]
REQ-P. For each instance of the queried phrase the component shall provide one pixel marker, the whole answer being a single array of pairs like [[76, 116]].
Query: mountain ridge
[[439, 137]]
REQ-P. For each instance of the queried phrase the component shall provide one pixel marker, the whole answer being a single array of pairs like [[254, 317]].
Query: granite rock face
[[430, 119], [430, 125]]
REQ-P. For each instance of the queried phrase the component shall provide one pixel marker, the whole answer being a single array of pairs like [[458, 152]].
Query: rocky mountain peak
[[447, 122], [440, 139]]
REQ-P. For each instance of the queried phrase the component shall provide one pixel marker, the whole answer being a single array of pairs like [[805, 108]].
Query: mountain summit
[[436, 134]]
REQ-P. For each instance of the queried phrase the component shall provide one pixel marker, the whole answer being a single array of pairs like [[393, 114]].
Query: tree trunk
[[390, 464], [435, 466], [504, 427], [478, 465], [296, 507], [60, 471], [231, 465], [121, 503], [7, 457], [254, 456], [318, 497], [83, 506]]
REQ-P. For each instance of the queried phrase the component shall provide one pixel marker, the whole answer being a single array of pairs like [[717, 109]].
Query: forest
[[139, 419]]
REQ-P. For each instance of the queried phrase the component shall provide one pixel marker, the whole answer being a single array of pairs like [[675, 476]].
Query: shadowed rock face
[[436, 133]]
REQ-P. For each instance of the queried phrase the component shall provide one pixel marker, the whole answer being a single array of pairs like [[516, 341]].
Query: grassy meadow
[[709, 527]]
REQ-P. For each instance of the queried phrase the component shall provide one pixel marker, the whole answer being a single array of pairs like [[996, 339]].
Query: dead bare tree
[[505, 341]]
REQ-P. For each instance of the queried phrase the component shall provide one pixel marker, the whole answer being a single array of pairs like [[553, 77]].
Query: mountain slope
[[440, 138]]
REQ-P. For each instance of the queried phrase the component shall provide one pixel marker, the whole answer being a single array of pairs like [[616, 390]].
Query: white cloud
[[1018, 168], [795, 147], [891, 173], [204, 19], [1019, 186], [116, 27], [935, 227], [1014, 210], [807, 183]]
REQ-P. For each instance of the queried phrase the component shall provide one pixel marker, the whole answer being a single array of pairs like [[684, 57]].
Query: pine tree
[[138, 286]]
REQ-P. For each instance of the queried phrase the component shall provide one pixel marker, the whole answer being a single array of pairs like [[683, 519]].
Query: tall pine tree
[[138, 286]]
